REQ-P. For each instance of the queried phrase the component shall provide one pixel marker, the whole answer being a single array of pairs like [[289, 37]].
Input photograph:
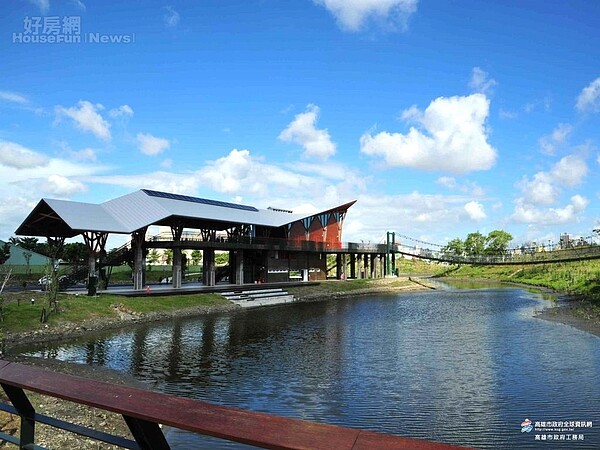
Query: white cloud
[[43, 5], [152, 145], [172, 17], [475, 211], [589, 98], [570, 170], [303, 131], [121, 111], [87, 118], [13, 97], [62, 186], [86, 154], [540, 190], [545, 189], [16, 156], [352, 15], [454, 138], [531, 214], [550, 143], [481, 82]]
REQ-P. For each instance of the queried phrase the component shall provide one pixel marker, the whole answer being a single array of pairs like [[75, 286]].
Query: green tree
[[168, 256], [153, 256], [475, 244], [75, 253], [497, 242], [456, 247], [196, 257], [222, 258]]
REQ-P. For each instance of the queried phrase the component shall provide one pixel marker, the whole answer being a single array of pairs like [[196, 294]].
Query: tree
[[456, 247], [153, 256], [196, 257], [497, 242], [168, 256], [75, 253], [475, 244]]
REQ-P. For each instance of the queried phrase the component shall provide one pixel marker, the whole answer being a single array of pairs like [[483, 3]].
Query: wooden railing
[[144, 410]]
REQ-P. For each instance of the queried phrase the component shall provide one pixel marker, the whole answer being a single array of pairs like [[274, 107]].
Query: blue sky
[[440, 117]]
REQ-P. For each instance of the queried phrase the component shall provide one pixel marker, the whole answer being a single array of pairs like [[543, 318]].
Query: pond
[[463, 366]]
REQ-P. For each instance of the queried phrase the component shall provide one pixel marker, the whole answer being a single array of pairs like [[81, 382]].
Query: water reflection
[[461, 366]]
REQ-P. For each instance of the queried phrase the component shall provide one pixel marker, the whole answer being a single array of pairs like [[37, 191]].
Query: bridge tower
[[390, 255]]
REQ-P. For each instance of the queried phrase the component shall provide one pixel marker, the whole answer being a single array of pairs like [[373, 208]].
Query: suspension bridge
[[583, 249]]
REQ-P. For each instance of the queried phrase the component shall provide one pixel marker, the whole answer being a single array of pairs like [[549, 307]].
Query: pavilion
[[264, 245]]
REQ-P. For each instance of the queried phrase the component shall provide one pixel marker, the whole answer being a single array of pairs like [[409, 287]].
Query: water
[[457, 366]]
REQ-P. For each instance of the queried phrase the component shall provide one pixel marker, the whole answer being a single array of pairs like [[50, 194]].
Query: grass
[[20, 314]]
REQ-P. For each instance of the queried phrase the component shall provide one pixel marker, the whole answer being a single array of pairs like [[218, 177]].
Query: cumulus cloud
[[353, 15], [549, 143], [303, 131], [87, 118], [13, 97], [570, 170], [121, 111], [531, 214], [151, 145], [481, 81], [16, 156], [589, 98], [452, 138], [475, 211], [60, 186], [545, 188], [172, 17]]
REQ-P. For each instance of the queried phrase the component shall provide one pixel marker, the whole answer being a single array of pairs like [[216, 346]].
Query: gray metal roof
[[131, 212]]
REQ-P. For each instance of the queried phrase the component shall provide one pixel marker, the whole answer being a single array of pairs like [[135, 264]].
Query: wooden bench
[[144, 410]]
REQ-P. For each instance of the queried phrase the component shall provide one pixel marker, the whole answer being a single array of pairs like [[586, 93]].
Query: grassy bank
[[581, 278], [20, 314]]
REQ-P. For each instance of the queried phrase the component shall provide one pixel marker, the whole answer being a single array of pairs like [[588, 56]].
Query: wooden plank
[[259, 429]]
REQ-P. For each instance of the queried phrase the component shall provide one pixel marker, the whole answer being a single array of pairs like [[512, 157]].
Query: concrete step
[[270, 301]]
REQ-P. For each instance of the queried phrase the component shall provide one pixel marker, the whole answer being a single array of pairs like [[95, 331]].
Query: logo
[[526, 426]]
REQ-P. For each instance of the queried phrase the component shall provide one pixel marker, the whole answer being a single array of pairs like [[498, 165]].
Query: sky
[[440, 117]]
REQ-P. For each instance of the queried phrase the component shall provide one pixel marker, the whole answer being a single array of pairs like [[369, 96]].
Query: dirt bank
[[576, 312]]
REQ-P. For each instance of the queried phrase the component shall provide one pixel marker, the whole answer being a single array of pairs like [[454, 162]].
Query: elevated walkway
[[253, 298]]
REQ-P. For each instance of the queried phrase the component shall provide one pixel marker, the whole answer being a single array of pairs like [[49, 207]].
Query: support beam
[[95, 242], [352, 265], [372, 266], [239, 267], [138, 238], [176, 232], [209, 267]]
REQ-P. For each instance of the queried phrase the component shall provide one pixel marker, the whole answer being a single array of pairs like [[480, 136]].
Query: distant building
[[20, 256]]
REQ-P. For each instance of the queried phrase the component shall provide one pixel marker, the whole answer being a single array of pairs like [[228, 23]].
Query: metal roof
[[131, 212]]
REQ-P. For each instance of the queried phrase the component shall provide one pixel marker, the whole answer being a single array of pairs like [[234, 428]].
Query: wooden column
[[176, 232], [95, 242], [138, 239]]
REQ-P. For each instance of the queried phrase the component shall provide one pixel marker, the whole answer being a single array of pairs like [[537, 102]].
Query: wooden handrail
[[143, 410]]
